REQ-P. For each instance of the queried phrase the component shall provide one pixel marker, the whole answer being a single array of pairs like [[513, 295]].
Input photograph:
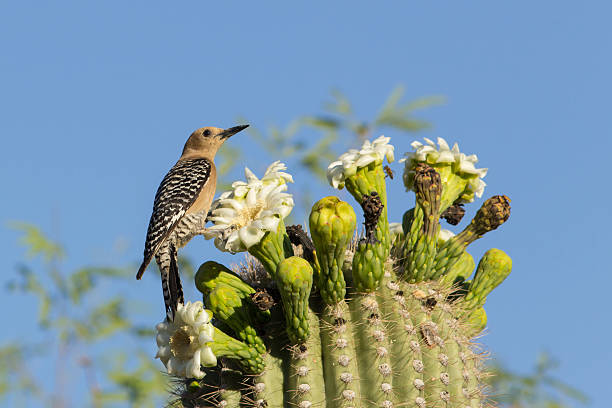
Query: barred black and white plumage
[[180, 208], [177, 192]]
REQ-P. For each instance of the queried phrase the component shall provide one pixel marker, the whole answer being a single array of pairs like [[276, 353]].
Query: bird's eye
[[206, 132]]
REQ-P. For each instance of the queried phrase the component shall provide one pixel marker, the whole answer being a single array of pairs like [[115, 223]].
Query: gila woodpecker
[[180, 208]]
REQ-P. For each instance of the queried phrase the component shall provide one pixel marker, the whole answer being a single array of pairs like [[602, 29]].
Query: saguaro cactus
[[381, 320]]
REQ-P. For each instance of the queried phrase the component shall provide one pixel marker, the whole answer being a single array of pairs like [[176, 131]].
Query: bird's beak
[[232, 131]]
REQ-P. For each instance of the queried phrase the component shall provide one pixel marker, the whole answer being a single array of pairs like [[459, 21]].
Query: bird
[[180, 208]]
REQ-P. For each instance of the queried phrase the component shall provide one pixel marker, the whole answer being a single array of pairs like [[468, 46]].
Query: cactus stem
[[444, 377], [268, 387], [337, 334], [375, 368], [305, 380], [405, 348]]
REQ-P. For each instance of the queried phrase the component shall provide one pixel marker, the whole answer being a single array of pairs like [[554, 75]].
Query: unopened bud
[[493, 213]]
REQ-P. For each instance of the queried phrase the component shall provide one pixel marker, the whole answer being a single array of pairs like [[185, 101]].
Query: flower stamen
[[249, 214], [243, 215], [182, 343]]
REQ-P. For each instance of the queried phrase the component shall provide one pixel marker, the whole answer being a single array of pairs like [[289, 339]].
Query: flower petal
[[163, 352], [451, 159], [241, 216], [348, 163], [445, 234], [192, 368], [250, 235], [184, 359]]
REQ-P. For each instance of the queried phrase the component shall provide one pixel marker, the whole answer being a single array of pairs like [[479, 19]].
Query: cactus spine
[[358, 323]]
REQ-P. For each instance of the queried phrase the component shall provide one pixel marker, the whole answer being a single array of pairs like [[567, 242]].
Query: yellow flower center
[[248, 214], [183, 343]]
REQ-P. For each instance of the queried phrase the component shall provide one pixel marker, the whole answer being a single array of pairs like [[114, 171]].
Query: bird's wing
[[177, 192]]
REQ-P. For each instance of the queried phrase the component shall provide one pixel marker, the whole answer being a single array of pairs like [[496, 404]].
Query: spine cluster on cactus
[[346, 322]]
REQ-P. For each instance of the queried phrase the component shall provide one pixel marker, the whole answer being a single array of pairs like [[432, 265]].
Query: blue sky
[[97, 100]]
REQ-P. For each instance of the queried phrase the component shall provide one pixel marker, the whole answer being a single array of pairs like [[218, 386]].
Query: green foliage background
[[103, 336]]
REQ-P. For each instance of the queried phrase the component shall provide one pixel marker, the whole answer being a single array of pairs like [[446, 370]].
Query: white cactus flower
[[348, 163], [395, 229], [441, 155], [243, 215], [430, 153], [183, 343], [445, 235]]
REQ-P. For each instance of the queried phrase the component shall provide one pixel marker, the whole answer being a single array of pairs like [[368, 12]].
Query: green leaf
[[139, 385], [31, 284], [37, 243], [103, 321], [538, 389], [400, 116], [340, 105], [325, 123]]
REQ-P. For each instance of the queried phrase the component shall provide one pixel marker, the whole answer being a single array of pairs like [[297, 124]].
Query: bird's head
[[204, 142]]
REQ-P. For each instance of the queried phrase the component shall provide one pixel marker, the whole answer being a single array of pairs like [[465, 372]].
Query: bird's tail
[[141, 270], [171, 285]]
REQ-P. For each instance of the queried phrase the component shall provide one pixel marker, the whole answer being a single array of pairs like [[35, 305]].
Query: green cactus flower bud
[[461, 270], [493, 268], [332, 224], [294, 279], [210, 274], [230, 307], [368, 266], [227, 346], [477, 320], [272, 249]]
